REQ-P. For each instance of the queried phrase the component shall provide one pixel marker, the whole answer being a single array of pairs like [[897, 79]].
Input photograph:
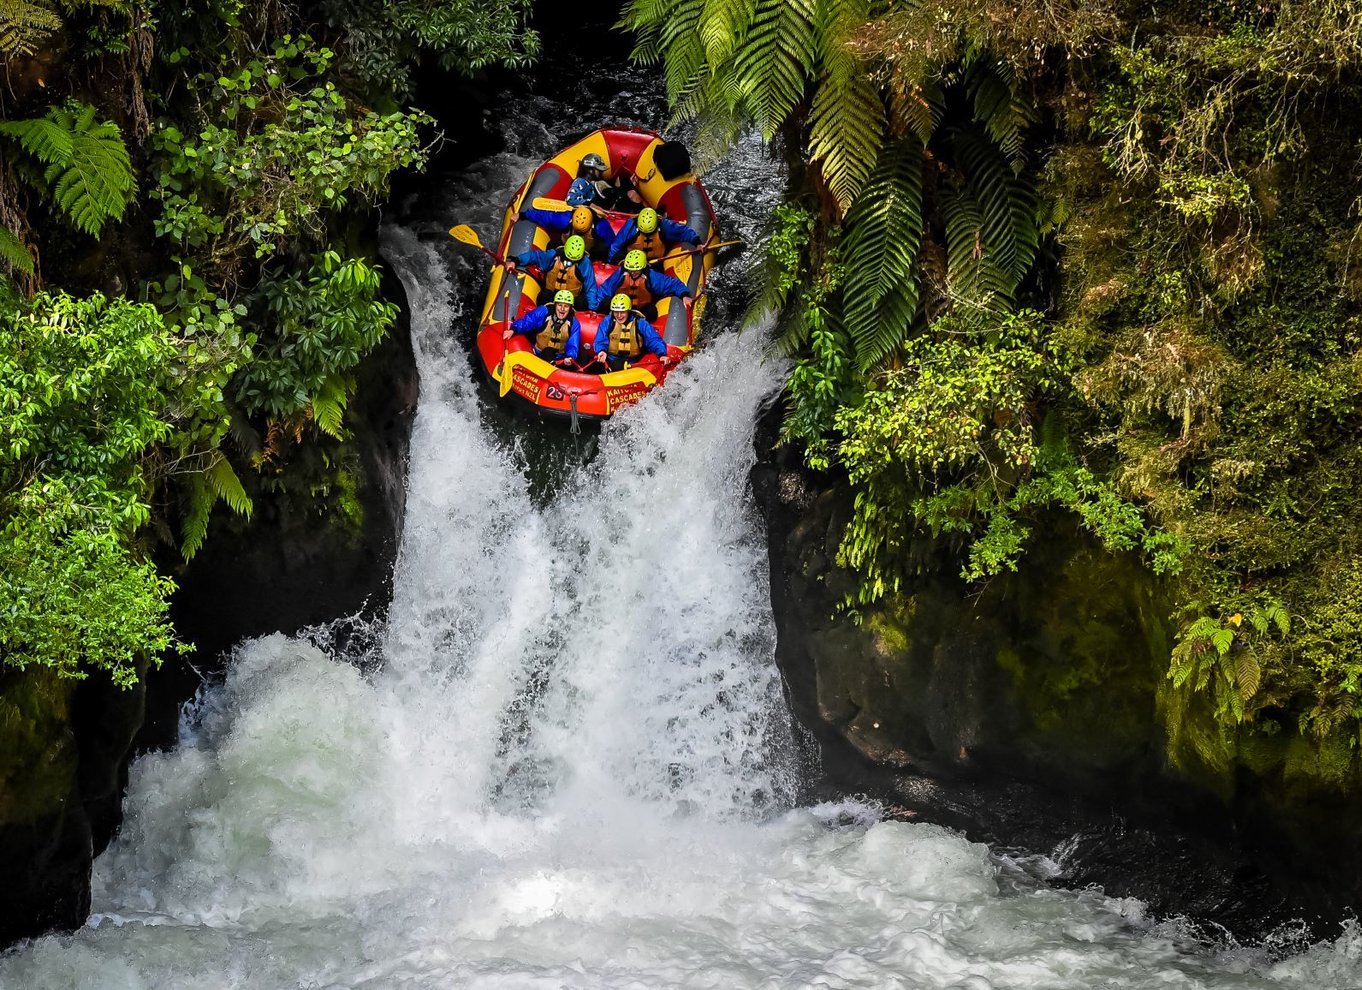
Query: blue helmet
[[580, 192]]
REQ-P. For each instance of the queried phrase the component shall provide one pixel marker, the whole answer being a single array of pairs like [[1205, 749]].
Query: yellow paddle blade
[[466, 235], [544, 203]]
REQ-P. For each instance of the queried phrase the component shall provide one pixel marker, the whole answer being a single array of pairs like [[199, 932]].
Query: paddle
[[465, 234], [544, 203], [702, 249]]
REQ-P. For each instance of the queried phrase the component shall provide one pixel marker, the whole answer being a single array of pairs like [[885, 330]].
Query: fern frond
[[24, 26], [14, 253], [328, 405], [89, 173], [224, 483], [991, 231], [1247, 675], [920, 107], [194, 528], [43, 138], [846, 123], [679, 40], [992, 86], [774, 60], [884, 232]]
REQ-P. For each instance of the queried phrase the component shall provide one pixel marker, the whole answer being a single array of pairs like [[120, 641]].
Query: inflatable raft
[[559, 391]]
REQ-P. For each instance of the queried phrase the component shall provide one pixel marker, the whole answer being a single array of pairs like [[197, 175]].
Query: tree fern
[[884, 231], [847, 120], [88, 172]]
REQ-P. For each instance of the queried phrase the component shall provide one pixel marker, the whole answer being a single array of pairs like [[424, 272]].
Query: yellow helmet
[[635, 261], [574, 248], [581, 219], [647, 220], [620, 303]]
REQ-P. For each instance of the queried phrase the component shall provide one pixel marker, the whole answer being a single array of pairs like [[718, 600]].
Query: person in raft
[[553, 330], [652, 234], [580, 220], [619, 193], [625, 335], [565, 267], [642, 284]]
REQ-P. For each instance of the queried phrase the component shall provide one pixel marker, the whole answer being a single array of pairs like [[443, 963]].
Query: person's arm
[[586, 271], [621, 240], [652, 340], [528, 323], [554, 221], [602, 342], [607, 290], [661, 284], [679, 232]]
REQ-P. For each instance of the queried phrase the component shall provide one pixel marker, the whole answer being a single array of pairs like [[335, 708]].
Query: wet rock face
[[64, 747], [1027, 713]]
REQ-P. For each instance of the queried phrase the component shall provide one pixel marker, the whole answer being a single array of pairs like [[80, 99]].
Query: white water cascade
[[572, 765]]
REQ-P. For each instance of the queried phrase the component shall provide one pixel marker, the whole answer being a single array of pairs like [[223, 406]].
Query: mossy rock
[[38, 752]]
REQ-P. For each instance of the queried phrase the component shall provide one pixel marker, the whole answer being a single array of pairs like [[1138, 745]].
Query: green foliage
[[76, 599], [275, 147], [321, 326], [88, 173], [384, 37], [87, 388], [946, 444]]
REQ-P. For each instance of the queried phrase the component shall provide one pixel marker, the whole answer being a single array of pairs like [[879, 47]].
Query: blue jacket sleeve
[[652, 341], [622, 239], [678, 232], [661, 284], [602, 340], [531, 321], [554, 221], [587, 273], [608, 288], [574, 341], [544, 259], [604, 233]]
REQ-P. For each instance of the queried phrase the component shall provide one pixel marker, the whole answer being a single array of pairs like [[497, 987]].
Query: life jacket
[[635, 286], [562, 274], [625, 339], [554, 334], [649, 244]]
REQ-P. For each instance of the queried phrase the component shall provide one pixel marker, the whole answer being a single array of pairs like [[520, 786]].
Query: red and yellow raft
[[567, 392]]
